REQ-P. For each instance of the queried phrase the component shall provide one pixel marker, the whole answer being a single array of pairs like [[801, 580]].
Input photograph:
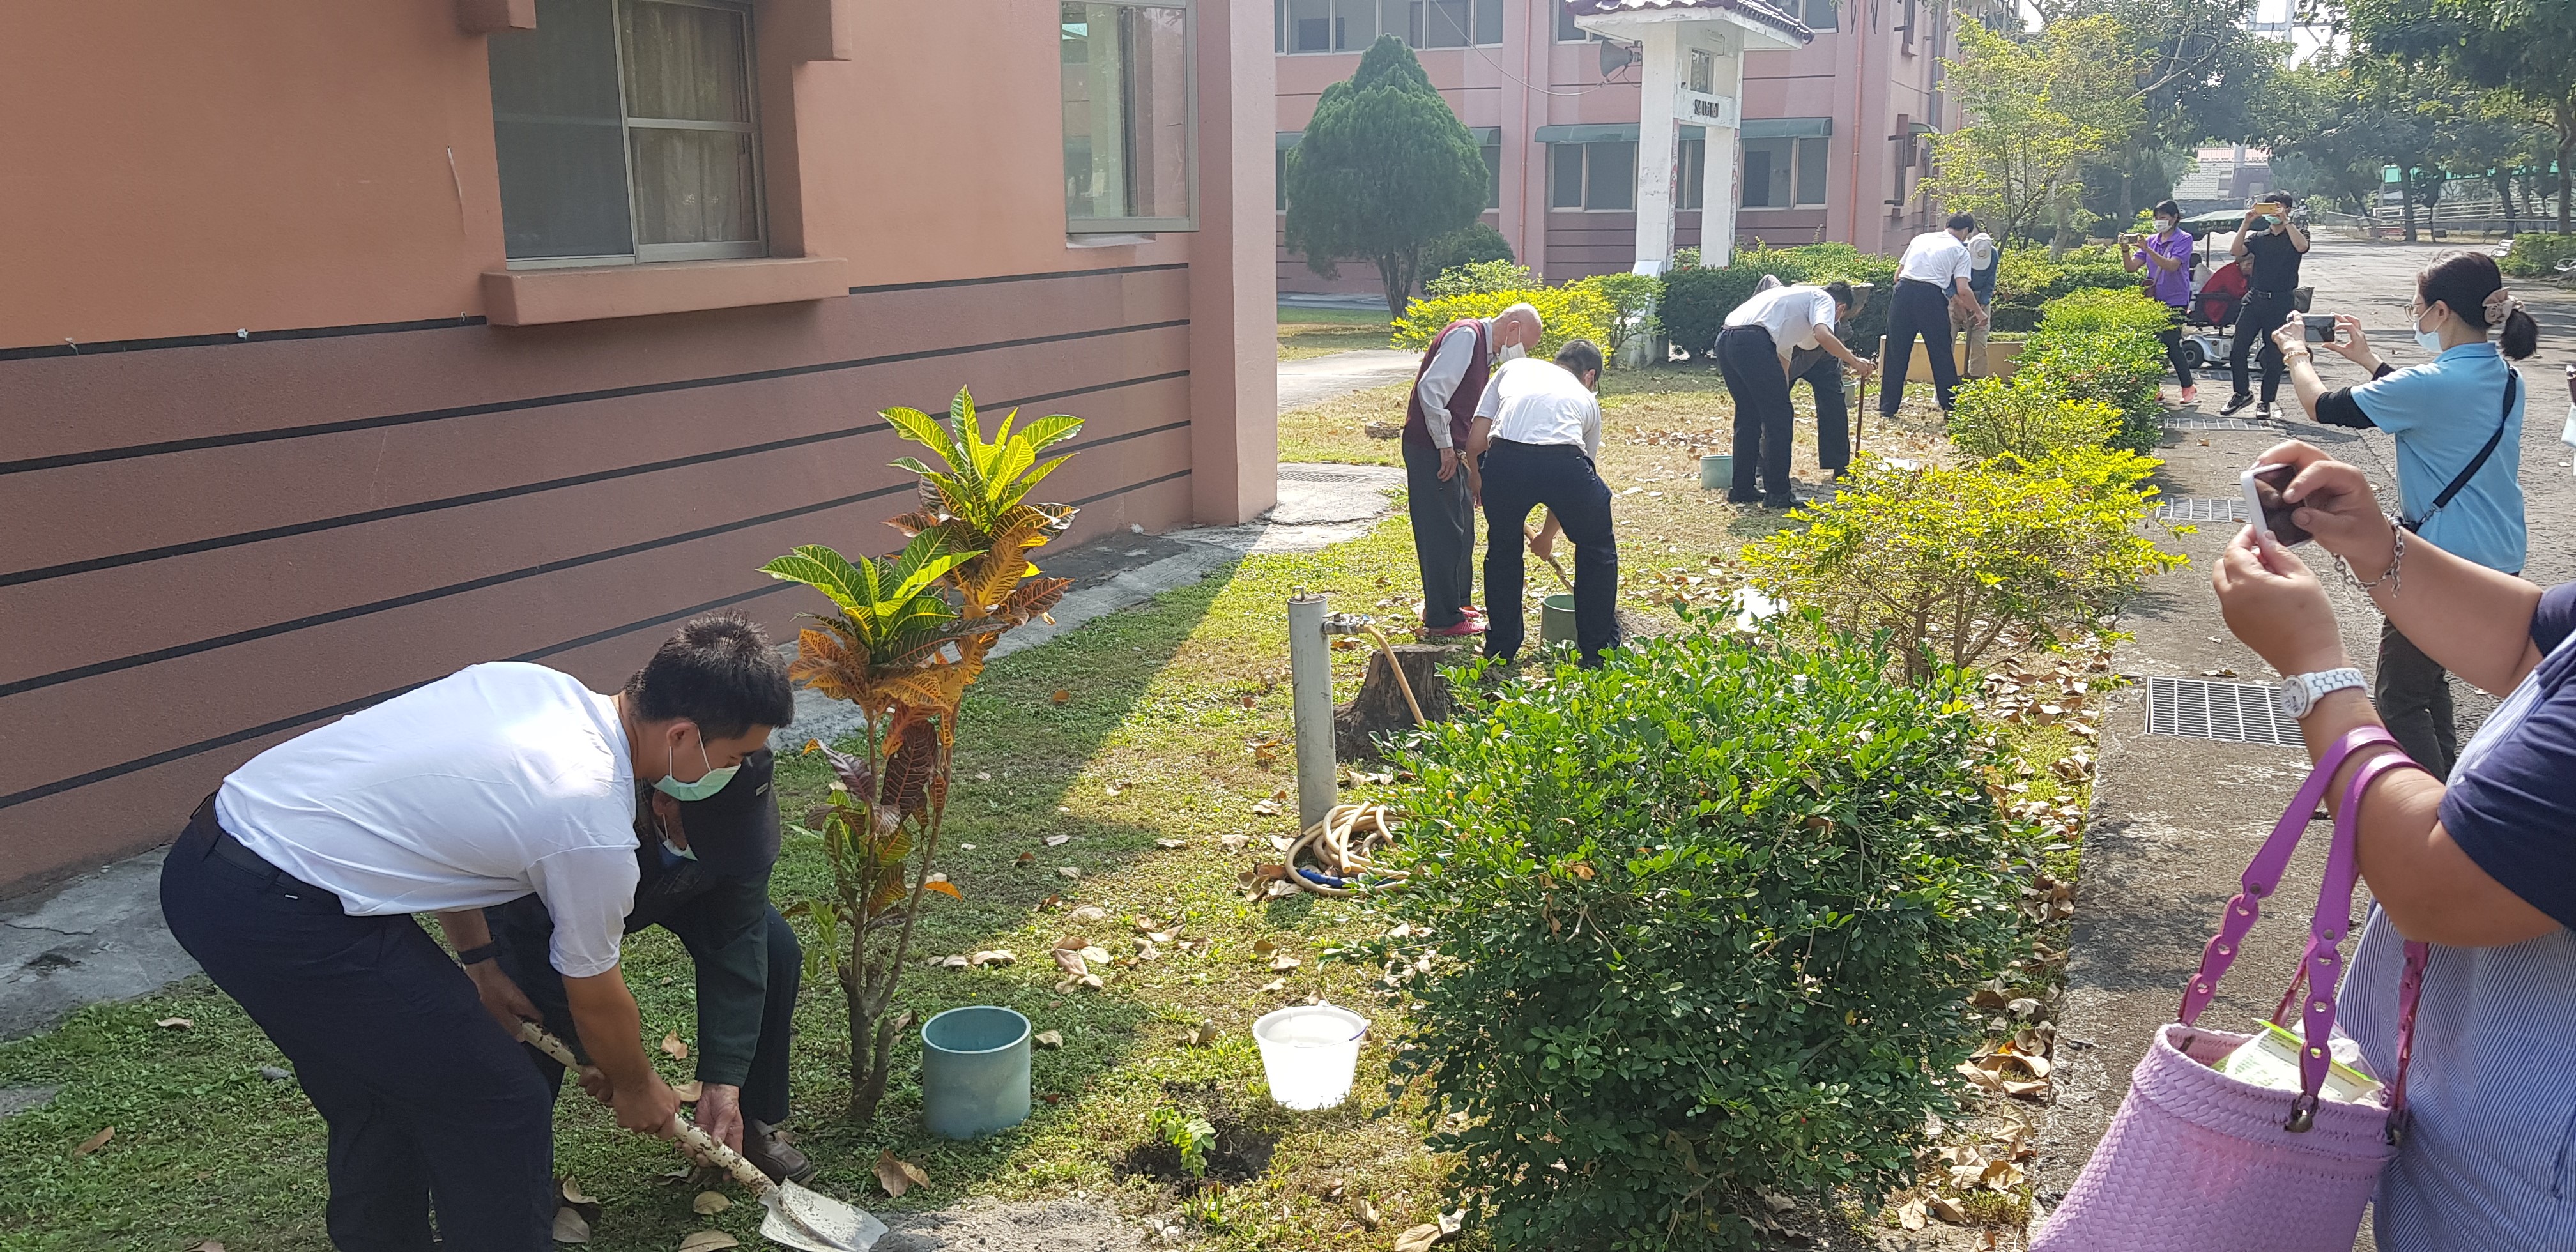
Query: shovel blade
[[798, 1218]]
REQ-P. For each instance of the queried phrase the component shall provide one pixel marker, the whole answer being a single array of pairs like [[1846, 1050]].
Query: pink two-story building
[[1829, 141]]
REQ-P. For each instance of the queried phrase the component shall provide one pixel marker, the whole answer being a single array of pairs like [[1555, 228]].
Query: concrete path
[[1320, 378], [2176, 820], [100, 936]]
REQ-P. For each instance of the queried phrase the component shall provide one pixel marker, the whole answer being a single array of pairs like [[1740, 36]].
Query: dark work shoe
[[2236, 404], [1732, 498], [767, 1148]]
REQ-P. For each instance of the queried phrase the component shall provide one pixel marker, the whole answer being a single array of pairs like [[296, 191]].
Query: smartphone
[[2264, 506], [2320, 327]]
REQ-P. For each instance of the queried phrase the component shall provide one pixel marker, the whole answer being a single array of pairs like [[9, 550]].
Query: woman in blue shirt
[[2458, 423]]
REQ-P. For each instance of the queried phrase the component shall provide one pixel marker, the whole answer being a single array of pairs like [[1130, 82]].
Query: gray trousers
[[1444, 533], [2414, 697]]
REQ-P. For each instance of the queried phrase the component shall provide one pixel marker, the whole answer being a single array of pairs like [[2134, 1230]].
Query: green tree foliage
[[1691, 928], [1479, 277], [1949, 562], [2538, 255], [1994, 417], [2526, 48], [2101, 345], [1384, 172], [1632, 299], [2203, 76], [2038, 108], [1478, 242]]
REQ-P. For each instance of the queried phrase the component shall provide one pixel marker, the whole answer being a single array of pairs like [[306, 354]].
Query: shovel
[[796, 1217]]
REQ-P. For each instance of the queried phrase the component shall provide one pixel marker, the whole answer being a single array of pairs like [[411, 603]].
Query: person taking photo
[[2458, 425], [2271, 246], [2166, 257], [2472, 860]]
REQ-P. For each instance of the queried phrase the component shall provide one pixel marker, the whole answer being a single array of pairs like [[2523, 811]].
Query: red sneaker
[[1473, 614], [1465, 626]]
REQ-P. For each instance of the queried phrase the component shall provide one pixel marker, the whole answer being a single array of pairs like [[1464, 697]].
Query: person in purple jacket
[[2166, 256]]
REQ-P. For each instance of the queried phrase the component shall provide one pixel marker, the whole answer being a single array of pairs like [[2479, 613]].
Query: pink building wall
[[1869, 76]]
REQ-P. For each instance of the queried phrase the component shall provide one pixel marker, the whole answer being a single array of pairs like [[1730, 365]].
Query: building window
[[1129, 129], [1693, 174], [1703, 71], [1279, 181], [1493, 152], [1817, 14], [1566, 30], [1593, 175], [1309, 26], [1785, 173], [624, 130]]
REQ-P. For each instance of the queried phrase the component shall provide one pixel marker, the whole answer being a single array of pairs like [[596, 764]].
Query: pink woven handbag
[[2196, 1161]]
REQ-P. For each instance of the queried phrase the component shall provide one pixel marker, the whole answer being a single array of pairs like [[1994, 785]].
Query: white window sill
[[598, 292], [1106, 241]]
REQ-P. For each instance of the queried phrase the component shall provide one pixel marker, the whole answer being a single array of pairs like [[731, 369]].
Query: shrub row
[[1697, 299], [1577, 310], [2030, 279], [2537, 255], [2102, 346], [1693, 928]]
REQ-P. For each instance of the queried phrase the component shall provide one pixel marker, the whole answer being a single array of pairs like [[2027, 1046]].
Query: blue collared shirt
[[2441, 414]]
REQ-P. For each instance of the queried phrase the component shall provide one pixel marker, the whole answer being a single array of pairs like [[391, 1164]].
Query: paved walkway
[[2176, 820], [1319, 378]]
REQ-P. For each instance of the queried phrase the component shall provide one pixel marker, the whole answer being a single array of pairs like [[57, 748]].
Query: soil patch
[[1241, 1152]]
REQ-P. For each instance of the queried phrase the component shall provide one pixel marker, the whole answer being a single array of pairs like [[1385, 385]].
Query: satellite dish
[[1616, 57]]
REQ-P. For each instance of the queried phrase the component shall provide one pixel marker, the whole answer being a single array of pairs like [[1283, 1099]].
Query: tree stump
[[1379, 708]]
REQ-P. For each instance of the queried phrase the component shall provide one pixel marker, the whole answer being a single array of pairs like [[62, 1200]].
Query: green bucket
[[1556, 619], [1716, 472]]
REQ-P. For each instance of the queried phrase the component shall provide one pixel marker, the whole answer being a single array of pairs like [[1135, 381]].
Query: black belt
[[1919, 283], [239, 854]]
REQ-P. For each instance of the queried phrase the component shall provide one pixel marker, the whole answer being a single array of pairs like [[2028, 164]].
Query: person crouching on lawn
[[1538, 434], [1439, 485]]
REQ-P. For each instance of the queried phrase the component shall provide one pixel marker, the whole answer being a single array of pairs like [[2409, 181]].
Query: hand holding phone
[[2264, 506], [2318, 327]]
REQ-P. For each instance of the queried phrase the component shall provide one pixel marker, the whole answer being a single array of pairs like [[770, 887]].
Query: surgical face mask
[[2165, 225], [1513, 352], [2428, 340], [708, 784]]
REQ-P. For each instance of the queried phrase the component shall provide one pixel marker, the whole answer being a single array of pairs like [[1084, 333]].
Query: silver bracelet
[[2396, 558]]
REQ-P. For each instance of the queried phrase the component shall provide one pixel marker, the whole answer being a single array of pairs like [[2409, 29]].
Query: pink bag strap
[[2321, 965]]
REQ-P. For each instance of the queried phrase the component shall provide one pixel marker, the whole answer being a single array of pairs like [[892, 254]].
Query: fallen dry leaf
[[1264, 947], [1068, 871], [1201, 1035], [1234, 843], [898, 1177], [1275, 984], [572, 1192], [996, 956], [1074, 943], [1169, 844], [944, 887], [1368, 1214], [1048, 1039], [673, 1048], [94, 1143], [687, 1091], [571, 1226], [1266, 808], [1061, 695], [1948, 1210], [174, 1023], [1070, 961], [708, 1241], [1910, 1215], [709, 1203], [210, 1245], [1283, 962], [1057, 841], [1027, 858], [1089, 913], [1418, 1238]]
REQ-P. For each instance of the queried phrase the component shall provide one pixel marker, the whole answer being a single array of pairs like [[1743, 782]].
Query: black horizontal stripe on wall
[[239, 438], [255, 633], [72, 348], [181, 753], [943, 284], [213, 543], [1120, 491]]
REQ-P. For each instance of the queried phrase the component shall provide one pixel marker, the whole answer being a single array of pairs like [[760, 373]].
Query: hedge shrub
[[1569, 312], [2029, 278], [2538, 255], [1696, 300], [1695, 927], [1479, 276], [1950, 561], [2102, 346], [1477, 241], [2028, 417], [1633, 300]]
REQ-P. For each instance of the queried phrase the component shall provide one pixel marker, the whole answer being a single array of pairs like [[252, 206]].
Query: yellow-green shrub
[[1568, 312], [2030, 418]]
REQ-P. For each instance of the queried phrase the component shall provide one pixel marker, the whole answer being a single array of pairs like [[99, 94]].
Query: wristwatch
[[2298, 693]]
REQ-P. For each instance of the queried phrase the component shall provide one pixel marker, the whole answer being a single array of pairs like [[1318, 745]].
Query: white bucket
[[1309, 1053]]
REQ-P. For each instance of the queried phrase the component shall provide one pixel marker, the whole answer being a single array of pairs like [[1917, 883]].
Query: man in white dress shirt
[[1538, 432], [1440, 492], [296, 881], [1932, 287], [1753, 353]]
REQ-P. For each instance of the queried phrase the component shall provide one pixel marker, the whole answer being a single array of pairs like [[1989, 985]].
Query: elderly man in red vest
[[1438, 477]]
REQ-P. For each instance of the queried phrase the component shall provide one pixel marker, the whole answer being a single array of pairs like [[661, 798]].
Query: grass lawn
[[1322, 332]]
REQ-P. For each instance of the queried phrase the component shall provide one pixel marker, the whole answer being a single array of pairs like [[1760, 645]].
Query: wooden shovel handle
[[699, 1141]]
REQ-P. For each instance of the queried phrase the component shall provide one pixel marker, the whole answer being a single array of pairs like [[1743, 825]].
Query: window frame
[[1188, 221], [1831, 7], [1583, 162], [1565, 22], [1783, 174], [1282, 44], [664, 253]]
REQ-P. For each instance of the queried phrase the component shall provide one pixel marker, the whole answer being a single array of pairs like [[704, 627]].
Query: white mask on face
[[1512, 352], [2428, 340]]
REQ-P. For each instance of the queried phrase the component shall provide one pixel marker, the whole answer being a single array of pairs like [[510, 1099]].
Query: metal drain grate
[[2195, 708], [2217, 423], [2202, 509]]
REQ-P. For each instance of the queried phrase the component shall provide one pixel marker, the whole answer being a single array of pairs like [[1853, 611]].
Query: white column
[[1717, 194], [1658, 143]]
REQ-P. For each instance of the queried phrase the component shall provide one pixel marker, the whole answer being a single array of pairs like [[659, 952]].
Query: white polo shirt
[[491, 783], [1535, 401], [1790, 314], [1935, 257]]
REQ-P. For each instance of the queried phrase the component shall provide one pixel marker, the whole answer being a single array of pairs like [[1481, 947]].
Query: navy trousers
[[1765, 424], [1523, 476], [1444, 534], [1918, 308], [1833, 418], [429, 1102]]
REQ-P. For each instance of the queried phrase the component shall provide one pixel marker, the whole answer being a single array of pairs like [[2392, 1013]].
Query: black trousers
[[427, 1099], [1765, 424], [2175, 355], [1444, 533], [1918, 308], [524, 932], [1824, 380], [1518, 478], [2414, 697], [2255, 323]]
